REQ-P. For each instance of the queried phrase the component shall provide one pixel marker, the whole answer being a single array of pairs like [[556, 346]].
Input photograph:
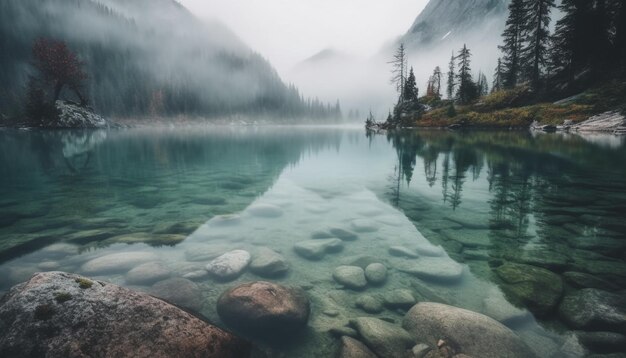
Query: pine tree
[[410, 89], [451, 76], [535, 50], [513, 36], [436, 82], [497, 84], [482, 85], [399, 64], [430, 85], [619, 44], [467, 90]]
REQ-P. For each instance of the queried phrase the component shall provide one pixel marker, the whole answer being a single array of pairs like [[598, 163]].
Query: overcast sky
[[288, 31]]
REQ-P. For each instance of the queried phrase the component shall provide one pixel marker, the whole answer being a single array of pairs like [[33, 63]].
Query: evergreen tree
[[586, 36], [513, 37], [467, 90], [410, 89], [497, 84], [482, 85], [436, 82], [451, 76], [619, 44], [430, 92], [399, 64], [535, 50]]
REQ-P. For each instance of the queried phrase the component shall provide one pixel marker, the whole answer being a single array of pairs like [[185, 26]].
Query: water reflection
[[547, 210], [505, 207]]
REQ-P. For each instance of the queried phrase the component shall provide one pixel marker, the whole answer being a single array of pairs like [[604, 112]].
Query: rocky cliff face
[[446, 21]]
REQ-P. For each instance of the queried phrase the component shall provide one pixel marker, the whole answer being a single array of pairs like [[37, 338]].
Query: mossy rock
[[532, 287]]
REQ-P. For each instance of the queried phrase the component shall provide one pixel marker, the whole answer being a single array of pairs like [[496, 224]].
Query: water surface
[[181, 197]]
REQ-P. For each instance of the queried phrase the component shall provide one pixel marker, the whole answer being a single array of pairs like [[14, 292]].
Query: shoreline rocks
[[40, 318]]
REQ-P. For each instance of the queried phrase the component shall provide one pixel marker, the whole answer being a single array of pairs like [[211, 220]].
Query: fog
[[225, 57], [287, 32], [340, 49], [147, 58]]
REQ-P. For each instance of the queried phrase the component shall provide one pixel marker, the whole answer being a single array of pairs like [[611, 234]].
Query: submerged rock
[[179, 291], [268, 263], [264, 309], [316, 249], [343, 235], [468, 332], [434, 251], [497, 307], [229, 265], [351, 348], [147, 273], [399, 298], [352, 277], [383, 338], [594, 309], [438, 269], [265, 211], [536, 288], [401, 251], [376, 273], [206, 252], [40, 318], [584, 280], [369, 304], [118, 262], [602, 341], [363, 225]]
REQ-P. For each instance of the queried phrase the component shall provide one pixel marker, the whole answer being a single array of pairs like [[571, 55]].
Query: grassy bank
[[516, 108]]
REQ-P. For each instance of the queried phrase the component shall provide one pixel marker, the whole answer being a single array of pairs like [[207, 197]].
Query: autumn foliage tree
[[59, 67]]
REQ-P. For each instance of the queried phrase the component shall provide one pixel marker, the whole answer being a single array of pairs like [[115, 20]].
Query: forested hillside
[[146, 58]]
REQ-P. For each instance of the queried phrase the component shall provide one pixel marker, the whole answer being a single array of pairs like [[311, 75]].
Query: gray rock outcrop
[[71, 115], [604, 122]]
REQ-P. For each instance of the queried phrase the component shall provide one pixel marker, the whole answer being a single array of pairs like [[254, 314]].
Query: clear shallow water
[[555, 202]]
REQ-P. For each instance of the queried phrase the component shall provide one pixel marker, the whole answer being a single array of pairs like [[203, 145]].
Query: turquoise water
[[499, 220]]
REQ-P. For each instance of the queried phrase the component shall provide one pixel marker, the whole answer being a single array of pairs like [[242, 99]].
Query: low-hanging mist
[[147, 58]]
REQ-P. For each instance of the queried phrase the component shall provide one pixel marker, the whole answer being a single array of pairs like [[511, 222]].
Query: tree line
[[587, 46], [135, 68]]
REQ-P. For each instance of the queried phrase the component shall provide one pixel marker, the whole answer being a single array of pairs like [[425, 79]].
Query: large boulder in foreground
[[264, 309], [56, 314], [467, 332]]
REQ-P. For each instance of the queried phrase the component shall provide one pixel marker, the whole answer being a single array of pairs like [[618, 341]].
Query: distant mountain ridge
[[447, 21]]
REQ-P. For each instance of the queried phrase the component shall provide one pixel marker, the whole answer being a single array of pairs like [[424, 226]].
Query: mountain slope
[[143, 57], [446, 21]]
